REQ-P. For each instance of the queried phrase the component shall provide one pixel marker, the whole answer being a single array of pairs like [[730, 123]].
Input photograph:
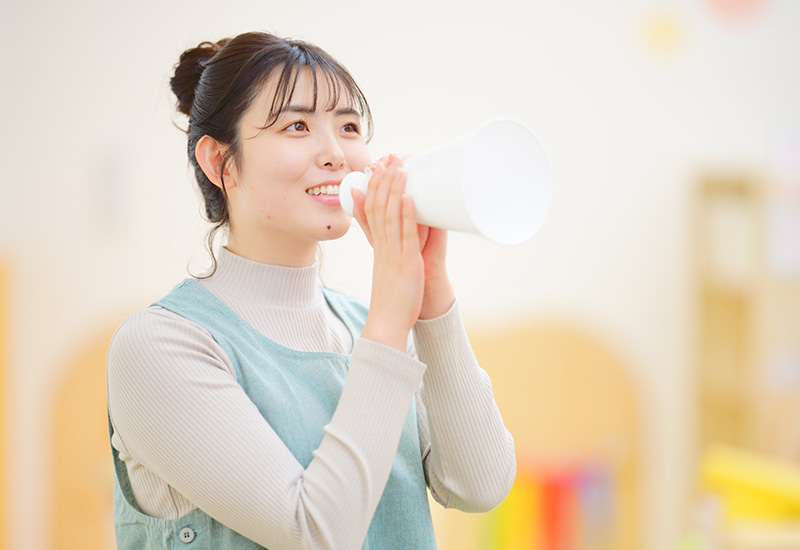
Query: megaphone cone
[[494, 181]]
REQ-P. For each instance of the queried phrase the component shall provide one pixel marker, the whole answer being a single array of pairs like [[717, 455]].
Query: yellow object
[[662, 33], [752, 486], [516, 523]]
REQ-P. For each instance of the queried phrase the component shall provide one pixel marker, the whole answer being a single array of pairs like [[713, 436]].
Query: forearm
[[471, 464], [352, 464]]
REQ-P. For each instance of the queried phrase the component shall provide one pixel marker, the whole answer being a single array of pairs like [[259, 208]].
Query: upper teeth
[[324, 190]]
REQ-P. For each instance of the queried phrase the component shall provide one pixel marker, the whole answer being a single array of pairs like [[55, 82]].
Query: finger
[[374, 174], [358, 212], [394, 210], [385, 160], [396, 159], [423, 231], [410, 232], [382, 190], [434, 248], [369, 202], [437, 235]]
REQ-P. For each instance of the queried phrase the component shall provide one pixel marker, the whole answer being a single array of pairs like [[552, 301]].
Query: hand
[[388, 219], [438, 296]]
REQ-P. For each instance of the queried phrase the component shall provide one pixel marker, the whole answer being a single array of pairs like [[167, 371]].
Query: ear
[[208, 153]]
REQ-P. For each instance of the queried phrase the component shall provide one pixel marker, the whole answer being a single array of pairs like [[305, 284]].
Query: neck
[[274, 251]]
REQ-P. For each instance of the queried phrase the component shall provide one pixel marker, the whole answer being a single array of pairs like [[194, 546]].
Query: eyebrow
[[301, 109]]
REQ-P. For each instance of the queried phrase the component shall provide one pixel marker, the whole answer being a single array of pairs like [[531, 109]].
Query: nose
[[330, 153]]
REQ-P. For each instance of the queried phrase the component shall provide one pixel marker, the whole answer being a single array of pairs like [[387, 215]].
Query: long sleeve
[[468, 454], [179, 413]]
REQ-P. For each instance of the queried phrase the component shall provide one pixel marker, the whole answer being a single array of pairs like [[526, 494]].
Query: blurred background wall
[[639, 104]]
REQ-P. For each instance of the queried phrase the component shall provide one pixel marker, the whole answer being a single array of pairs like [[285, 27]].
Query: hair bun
[[188, 71]]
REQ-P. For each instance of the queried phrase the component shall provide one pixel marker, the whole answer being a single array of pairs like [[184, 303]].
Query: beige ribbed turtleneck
[[283, 303], [183, 425]]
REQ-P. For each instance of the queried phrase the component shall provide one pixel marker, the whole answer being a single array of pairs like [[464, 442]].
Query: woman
[[254, 409]]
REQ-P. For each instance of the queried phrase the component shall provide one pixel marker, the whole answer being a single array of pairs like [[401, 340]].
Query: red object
[[736, 8], [559, 511]]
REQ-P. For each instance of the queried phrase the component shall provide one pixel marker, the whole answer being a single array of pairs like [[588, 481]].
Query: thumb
[[358, 212]]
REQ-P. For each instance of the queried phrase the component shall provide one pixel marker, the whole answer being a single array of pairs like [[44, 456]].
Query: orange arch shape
[[82, 498], [568, 400]]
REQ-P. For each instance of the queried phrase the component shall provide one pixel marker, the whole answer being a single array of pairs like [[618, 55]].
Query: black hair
[[216, 82]]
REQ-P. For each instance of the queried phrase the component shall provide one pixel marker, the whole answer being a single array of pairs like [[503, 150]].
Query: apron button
[[186, 535]]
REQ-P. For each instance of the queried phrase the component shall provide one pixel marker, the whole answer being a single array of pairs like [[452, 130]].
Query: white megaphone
[[494, 181]]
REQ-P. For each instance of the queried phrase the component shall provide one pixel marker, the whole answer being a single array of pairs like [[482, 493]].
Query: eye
[[298, 126], [351, 128]]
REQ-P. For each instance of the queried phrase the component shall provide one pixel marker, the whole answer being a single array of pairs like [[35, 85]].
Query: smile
[[324, 190]]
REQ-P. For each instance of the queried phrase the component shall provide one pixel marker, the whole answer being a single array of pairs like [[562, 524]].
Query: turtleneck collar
[[250, 281]]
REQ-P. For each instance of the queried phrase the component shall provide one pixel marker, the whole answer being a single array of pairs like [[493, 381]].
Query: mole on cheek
[[329, 227]]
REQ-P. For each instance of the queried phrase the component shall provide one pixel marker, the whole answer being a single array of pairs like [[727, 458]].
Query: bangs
[[325, 72]]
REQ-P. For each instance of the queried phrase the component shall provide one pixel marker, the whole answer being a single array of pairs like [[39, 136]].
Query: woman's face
[[285, 198]]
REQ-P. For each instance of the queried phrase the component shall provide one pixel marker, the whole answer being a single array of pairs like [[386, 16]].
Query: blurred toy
[[751, 486]]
